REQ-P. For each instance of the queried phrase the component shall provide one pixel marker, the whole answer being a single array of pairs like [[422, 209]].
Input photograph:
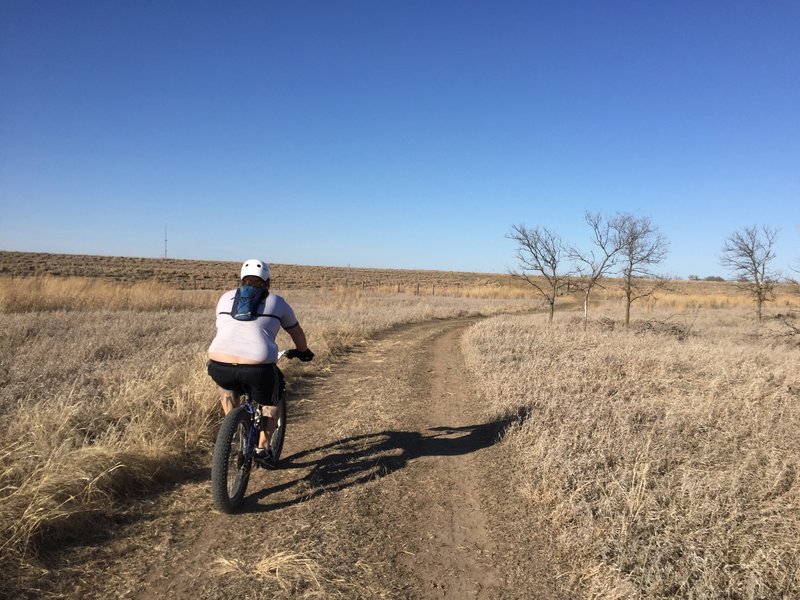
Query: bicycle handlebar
[[304, 356]]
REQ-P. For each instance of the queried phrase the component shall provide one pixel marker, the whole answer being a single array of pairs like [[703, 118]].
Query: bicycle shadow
[[358, 459]]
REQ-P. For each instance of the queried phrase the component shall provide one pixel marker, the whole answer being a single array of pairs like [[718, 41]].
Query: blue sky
[[397, 133]]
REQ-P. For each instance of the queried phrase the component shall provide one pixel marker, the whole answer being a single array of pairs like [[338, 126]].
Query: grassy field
[[212, 276], [104, 393], [217, 275], [661, 459], [663, 456]]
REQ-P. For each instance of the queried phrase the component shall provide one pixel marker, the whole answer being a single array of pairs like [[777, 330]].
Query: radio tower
[[165, 241]]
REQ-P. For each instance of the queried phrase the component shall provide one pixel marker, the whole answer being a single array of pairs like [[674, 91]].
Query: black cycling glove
[[305, 355]]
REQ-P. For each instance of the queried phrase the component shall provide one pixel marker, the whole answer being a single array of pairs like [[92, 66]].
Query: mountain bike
[[235, 449]]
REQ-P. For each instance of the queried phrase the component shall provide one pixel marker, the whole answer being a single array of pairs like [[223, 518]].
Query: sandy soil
[[391, 487]]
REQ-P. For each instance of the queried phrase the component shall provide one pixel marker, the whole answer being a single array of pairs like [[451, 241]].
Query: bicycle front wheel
[[230, 468]]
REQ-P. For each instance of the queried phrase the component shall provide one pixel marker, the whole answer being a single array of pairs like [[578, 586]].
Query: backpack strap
[[246, 302]]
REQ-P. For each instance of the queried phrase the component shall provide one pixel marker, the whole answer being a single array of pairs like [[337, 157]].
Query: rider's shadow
[[359, 459]]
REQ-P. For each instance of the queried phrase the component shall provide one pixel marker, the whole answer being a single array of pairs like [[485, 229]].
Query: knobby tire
[[230, 471], [276, 443]]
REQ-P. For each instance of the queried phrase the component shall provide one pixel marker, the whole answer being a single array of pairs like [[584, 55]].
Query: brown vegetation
[[661, 459], [169, 275], [104, 394], [685, 295], [219, 275], [49, 293]]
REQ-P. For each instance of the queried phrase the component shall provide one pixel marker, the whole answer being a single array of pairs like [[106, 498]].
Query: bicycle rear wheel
[[230, 468], [276, 443]]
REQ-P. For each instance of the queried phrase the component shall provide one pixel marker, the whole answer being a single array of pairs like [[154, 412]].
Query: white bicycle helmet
[[255, 267]]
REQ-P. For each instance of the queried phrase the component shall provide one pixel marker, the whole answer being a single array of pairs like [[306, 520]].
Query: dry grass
[[664, 456], [49, 293], [216, 275], [295, 575], [102, 405], [96, 406], [686, 295], [292, 572], [661, 459]]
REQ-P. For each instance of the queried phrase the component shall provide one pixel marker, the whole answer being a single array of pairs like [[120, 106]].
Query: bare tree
[[747, 253], [593, 264], [795, 268], [789, 319], [643, 247], [540, 251]]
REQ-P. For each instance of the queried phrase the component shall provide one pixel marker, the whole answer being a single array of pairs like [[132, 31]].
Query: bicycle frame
[[253, 410], [254, 432], [235, 448]]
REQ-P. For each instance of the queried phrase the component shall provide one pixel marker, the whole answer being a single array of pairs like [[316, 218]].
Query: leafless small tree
[[593, 264], [643, 247], [792, 280], [540, 252], [795, 281], [747, 253], [790, 319]]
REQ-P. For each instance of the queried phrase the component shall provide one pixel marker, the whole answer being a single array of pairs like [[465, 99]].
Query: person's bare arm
[[298, 337]]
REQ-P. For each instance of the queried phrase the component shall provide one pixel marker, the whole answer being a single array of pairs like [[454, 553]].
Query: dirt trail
[[455, 557], [383, 494]]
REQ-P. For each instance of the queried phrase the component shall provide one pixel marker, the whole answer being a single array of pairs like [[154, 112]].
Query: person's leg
[[263, 382], [271, 414], [225, 377], [228, 399]]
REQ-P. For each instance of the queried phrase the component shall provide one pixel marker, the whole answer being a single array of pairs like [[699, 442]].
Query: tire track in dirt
[[456, 554], [382, 494]]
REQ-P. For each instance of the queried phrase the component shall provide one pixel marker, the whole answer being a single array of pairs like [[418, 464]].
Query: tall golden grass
[[104, 393], [662, 459], [693, 300], [684, 295], [49, 293], [173, 274]]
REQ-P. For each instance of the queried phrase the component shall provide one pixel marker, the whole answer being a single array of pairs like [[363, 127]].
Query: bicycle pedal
[[263, 459]]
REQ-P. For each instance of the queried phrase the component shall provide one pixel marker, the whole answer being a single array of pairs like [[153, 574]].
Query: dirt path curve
[[382, 495]]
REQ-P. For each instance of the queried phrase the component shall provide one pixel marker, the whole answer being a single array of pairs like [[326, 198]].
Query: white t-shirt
[[252, 339]]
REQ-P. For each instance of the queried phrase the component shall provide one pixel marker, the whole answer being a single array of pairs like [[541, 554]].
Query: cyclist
[[243, 353]]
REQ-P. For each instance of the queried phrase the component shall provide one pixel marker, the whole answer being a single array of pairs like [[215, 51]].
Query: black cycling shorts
[[257, 380]]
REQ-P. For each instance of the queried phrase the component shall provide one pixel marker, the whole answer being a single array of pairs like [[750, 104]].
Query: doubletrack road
[[391, 487]]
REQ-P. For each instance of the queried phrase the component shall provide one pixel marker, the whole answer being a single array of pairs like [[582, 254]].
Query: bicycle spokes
[[238, 457]]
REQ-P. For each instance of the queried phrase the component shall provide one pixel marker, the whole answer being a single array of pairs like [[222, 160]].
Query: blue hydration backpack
[[246, 302]]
